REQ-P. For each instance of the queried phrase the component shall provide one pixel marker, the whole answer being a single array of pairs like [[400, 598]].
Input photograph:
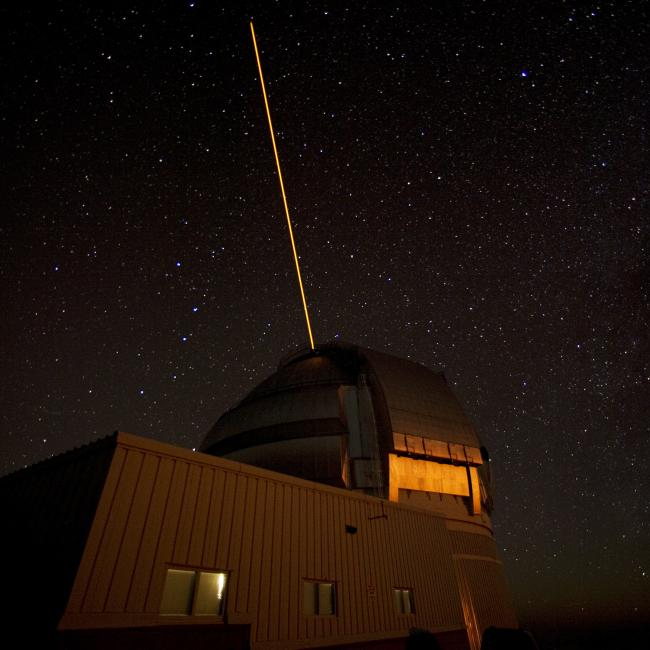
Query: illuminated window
[[319, 598], [178, 593], [404, 600], [198, 593]]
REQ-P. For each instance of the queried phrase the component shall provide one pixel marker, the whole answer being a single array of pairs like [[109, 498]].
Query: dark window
[[404, 600]]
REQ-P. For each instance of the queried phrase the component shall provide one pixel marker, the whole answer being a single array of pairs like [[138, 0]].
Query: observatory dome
[[357, 418]]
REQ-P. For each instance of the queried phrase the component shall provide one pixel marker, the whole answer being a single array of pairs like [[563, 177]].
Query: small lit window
[[198, 593], [209, 594], [404, 600], [319, 598]]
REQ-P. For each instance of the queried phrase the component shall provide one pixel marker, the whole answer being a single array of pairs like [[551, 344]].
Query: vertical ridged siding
[[482, 584], [163, 506], [489, 589]]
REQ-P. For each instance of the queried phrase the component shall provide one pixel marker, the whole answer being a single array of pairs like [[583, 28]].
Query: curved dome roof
[[293, 420]]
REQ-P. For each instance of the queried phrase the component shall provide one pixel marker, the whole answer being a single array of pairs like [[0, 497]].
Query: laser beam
[[284, 196]]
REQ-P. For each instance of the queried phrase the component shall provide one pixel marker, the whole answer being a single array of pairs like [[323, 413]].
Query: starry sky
[[468, 183]]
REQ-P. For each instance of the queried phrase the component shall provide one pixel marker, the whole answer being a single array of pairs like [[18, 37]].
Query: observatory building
[[343, 502]]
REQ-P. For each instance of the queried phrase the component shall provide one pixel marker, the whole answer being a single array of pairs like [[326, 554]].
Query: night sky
[[469, 187]]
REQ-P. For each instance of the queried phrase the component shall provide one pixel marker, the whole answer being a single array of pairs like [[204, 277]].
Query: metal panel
[[168, 530], [292, 405], [415, 445], [104, 568], [465, 543], [426, 476], [485, 596], [186, 518], [125, 565], [318, 459], [198, 536], [475, 490], [151, 534], [243, 566], [420, 401], [214, 519]]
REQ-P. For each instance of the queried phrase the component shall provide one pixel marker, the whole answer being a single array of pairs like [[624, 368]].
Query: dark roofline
[[65, 457]]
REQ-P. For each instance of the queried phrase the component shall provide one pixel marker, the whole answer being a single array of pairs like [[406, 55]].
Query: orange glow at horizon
[[284, 196]]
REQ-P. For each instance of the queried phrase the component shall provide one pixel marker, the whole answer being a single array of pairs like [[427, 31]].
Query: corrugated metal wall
[[164, 506]]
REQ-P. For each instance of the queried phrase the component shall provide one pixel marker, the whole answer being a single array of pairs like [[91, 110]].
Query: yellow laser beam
[[284, 196]]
